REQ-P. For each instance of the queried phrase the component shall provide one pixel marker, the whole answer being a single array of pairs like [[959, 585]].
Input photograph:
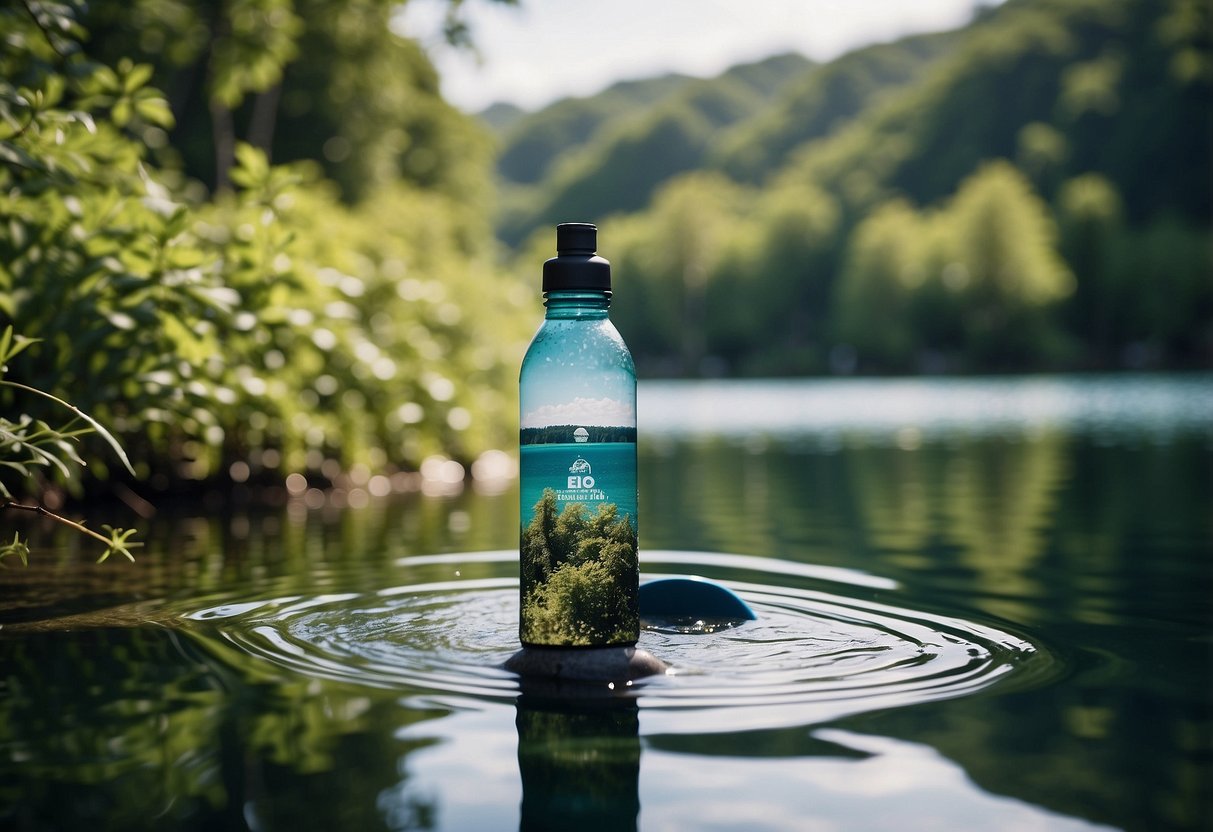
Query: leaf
[[18, 548], [97, 426], [120, 543], [121, 114], [11, 346], [18, 157], [106, 79], [139, 75], [222, 298], [120, 320], [253, 168], [154, 109], [53, 93], [16, 466], [84, 118]]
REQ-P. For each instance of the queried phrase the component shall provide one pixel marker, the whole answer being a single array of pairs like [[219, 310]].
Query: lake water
[[983, 604]]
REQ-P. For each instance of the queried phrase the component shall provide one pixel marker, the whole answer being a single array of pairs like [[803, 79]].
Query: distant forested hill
[[533, 144], [820, 100], [501, 116], [1061, 87], [1031, 191], [605, 153]]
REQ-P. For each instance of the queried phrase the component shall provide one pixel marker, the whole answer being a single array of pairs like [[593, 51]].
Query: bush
[[273, 325]]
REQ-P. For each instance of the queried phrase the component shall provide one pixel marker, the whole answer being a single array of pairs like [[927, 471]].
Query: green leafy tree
[[1091, 218], [272, 325], [1004, 238], [1113, 82], [784, 284], [671, 254], [579, 575], [980, 276], [883, 268], [536, 143], [1166, 271], [541, 552], [213, 57], [1041, 151], [322, 80], [634, 162], [88, 255]]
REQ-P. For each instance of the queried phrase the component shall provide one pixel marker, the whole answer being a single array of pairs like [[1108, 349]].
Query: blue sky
[[541, 50]]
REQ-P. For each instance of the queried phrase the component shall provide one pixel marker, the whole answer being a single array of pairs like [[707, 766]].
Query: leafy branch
[[117, 542], [28, 444], [93, 423]]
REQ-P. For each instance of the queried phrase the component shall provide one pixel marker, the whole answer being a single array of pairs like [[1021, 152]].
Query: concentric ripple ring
[[820, 649]]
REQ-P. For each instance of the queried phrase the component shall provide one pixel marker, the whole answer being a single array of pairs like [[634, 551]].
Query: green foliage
[[925, 205], [275, 325], [592, 157], [320, 80], [725, 278], [1003, 239], [1100, 74], [972, 283], [28, 445], [1161, 295], [556, 434], [535, 143], [251, 43], [579, 575], [776, 278], [820, 100], [883, 268], [365, 103], [621, 176], [677, 248]]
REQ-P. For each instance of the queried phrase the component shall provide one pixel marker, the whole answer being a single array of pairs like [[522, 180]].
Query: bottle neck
[[582, 303]]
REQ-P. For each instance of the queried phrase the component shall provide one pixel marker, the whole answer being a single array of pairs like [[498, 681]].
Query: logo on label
[[579, 473], [581, 435]]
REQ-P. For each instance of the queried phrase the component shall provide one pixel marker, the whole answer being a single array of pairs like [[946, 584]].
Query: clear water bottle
[[577, 389]]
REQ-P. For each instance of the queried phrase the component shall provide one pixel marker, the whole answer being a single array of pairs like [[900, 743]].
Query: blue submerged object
[[691, 604]]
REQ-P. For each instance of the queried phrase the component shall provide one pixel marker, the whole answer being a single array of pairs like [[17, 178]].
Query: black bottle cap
[[576, 266]]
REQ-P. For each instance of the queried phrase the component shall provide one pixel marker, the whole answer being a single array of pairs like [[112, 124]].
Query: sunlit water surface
[[980, 605], [811, 656]]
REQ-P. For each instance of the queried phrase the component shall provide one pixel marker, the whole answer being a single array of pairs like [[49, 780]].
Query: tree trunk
[[264, 119], [223, 135]]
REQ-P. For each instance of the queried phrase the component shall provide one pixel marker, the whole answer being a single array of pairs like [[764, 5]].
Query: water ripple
[[820, 649]]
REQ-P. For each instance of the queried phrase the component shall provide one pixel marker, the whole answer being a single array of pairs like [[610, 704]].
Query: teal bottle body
[[578, 564]]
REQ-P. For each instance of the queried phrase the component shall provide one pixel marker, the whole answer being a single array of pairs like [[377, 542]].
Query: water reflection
[[579, 760], [1089, 534], [829, 779], [1031, 529], [985, 508], [145, 731]]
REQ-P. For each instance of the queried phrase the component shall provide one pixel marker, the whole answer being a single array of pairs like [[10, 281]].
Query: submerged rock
[[586, 664]]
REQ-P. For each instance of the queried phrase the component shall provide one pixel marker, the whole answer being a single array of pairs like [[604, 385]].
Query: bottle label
[[579, 567]]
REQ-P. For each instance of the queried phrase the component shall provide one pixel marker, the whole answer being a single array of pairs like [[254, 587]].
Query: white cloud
[[544, 49], [582, 411]]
